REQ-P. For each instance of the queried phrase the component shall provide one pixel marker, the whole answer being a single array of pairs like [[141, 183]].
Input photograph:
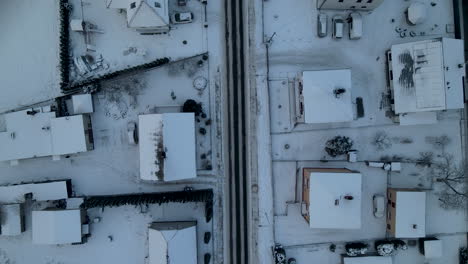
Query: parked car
[[379, 205], [132, 133], [338, 27], [322, 25], [182, 17], [355, 25], [182, 2]]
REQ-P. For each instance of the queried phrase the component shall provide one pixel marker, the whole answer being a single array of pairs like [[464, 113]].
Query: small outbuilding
[[406, 213], [11, 219], [167, 146], [324, 97], [332, 198], [430, 247], [367, 260], [173, 243], [55, 227]]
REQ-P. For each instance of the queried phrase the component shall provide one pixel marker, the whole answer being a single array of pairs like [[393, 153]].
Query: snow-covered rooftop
[[367, 260], [427, 75], [144, 14], [11, 219], [38, 133], [328, 208], [167, 146], [321, 104], [173, 242], [54, 227], [46, 191], [410, 216], [82, 104]]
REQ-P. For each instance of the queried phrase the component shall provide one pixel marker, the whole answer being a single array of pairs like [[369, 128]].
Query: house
[[11, 219], [40, 191], [349, 4], [167, 146], [425, 77], [406, 213], [145, 16], [38, 132], [324, 97], [331, 198], [55, 227], [367, 260], [173, 242]]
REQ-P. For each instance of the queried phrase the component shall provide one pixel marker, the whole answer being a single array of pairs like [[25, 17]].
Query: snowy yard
[[294, 48], [29, 65]]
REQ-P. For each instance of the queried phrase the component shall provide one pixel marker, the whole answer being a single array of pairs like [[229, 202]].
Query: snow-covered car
[[182, 17], [338, 27], [355, 25], [322, 26], [132, 133], [379, 205]]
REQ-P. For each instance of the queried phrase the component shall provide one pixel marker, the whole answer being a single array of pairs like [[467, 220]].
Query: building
[[426, 77], [173, 242], [38, 132], [349, 4], [167, 147], [324, 97], [430, 247], [367, 260], [55, 227], [81, 104], [41, 191], [145, 16], [328, 205], [406, 213], [11, 219]]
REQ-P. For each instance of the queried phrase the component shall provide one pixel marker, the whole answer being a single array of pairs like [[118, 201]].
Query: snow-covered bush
[[338, 145], [356, 249], [463, 255], [389, 247]]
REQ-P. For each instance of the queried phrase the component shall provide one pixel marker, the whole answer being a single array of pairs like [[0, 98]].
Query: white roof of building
[[433, 248], [174, 134], [328, 209], [143, 14], [426, 75], [320, 103], [11, 219], [82, 104], [417, 13], [148, 14], [54, 227], [367, 260], [173, 242], [47, 191], [41, 135], [410, 215]]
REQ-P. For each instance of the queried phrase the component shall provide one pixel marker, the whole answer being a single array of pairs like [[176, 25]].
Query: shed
[[430, 247], [53, 227], [367, 260], [82, 104], [173, 242], [329, 205], [11, 219], [406, 213], [167, 146], [325, 97], [39, 191]]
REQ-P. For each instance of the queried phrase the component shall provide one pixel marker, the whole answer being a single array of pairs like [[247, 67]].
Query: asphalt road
[[238, 222]]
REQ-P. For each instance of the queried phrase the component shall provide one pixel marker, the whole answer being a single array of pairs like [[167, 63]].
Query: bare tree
[[454, 195]]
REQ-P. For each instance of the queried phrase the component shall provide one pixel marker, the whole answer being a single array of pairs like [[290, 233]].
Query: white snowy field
[[29, 52], [127, 226], [295, 47]]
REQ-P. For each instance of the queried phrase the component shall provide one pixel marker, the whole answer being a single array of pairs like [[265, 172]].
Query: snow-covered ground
[[113, 166], [294, 46], [29, 52]]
